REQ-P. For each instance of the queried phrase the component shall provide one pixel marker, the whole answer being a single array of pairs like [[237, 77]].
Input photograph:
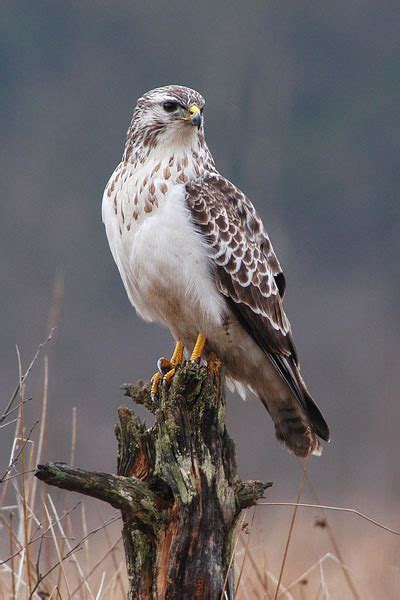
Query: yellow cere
[[193, 109]]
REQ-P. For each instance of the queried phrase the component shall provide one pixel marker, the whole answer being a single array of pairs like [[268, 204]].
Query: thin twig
[[338, 508], [305, 574], [85, 532], [262, 578], [17, 475], [318, 591], [11, 550], [302, 481], [74, 549], [74, 559], [13, 539], [53, 592], [12, 453], [24, 377], [113, 580], [246, 549], [68, 497], [21, 449], [98, 595], [96, 566], [8, 423], [113, 558], [13, 410], [42, 427], [335, 546], [23, 483], [323, 582], [265, 580], [232, 556], [58, 551], [37, 565], [6, 560]]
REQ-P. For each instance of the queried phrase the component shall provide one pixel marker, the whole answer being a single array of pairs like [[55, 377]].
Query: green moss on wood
[[177, 487]]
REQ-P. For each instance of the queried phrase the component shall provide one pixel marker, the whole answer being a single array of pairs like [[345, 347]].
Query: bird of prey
[[194, 256]]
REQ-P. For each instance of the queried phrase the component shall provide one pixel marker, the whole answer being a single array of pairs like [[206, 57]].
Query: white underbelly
[[166, 272], [169, 278]]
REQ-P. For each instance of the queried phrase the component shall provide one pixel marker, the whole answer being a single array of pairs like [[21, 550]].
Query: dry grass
[[50, 550]]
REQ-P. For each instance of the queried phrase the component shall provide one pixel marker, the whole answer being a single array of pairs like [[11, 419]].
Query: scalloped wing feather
[[247, 272]]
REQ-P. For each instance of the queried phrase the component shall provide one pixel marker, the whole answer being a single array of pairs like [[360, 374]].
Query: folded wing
[[248, 274]]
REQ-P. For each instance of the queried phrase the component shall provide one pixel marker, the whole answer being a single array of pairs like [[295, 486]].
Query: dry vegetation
[[55, 545]]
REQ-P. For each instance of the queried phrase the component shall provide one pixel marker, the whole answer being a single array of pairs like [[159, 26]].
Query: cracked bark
[[177, 488]]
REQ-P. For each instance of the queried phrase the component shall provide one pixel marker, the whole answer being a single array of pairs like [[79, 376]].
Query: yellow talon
[[177, 357], [169, 376], [155, 380], [199, 347], [167, 368], [176, 360]]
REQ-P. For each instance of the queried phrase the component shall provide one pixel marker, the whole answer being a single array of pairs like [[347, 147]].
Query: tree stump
[[177, 488]]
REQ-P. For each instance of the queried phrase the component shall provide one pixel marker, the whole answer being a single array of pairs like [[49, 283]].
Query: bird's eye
[[170, 106]]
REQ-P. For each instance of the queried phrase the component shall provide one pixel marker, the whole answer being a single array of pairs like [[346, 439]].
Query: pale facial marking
[[168, 116]]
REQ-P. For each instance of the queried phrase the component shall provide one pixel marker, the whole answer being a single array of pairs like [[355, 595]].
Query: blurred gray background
[[302, 114]]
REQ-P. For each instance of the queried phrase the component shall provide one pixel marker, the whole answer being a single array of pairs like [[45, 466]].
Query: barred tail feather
[[298, 420], [292, 428]]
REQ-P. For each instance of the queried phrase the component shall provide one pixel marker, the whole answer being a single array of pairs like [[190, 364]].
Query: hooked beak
[[193, 116]]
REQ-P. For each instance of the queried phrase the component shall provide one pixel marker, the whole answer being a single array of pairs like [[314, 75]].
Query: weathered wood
[[129, 494], [177, 487]]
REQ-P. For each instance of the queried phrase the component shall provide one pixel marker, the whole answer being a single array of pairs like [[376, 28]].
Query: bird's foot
[[155, 380], [168, 377], [198, 348], [167, 368]]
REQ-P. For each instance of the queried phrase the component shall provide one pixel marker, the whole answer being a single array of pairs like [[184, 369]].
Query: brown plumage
[[194, 255], [248, 274]]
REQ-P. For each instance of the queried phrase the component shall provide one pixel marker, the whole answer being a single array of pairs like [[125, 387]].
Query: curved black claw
[[164, 365]]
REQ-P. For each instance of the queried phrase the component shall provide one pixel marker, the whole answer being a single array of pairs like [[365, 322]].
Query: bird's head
[[170, 115]]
